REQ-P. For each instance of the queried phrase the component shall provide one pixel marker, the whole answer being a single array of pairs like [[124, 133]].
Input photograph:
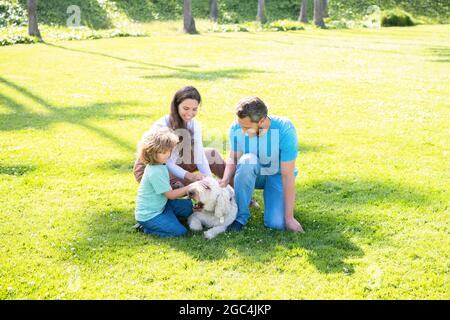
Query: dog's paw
[[195, 225], [208, 235]]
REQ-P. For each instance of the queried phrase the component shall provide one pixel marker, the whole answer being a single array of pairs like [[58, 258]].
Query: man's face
[[249, 127]]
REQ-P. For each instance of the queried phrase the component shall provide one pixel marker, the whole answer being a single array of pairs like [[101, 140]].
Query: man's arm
[[288, 180], [230, 168]]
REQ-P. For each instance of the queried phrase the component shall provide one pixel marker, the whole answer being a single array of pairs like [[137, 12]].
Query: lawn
[[372, 113]]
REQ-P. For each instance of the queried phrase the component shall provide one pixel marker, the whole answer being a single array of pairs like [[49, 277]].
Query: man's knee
[[275, 223], [248, 162]]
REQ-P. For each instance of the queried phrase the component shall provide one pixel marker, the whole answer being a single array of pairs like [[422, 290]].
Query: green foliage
[[285, 25], [12, 14], [16, 39], [396, 18]]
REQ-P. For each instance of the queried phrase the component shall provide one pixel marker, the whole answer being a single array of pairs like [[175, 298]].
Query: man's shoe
[[235, 226], [138, 227], [254, 203]]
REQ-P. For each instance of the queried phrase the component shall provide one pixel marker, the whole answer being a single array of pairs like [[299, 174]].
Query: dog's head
[[205, 197], [213, 199]]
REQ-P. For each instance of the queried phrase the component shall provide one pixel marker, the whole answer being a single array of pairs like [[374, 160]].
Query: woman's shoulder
[[161, 122]]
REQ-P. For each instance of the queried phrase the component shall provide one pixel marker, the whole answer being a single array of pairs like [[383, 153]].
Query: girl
[[157, 206]]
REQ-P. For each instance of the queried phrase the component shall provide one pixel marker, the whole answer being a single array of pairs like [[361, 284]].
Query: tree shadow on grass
[[16, 170], [207, 75], [441, 54], [22, 118], [118, 166], [330, 212], [187, 72]]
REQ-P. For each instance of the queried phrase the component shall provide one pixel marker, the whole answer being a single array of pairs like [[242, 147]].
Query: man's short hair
[[251, 107]]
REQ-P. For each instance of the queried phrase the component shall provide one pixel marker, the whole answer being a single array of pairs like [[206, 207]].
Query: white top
[[199, 153]]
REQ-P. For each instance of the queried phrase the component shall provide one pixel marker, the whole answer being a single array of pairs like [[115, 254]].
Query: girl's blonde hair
[[156, 141]]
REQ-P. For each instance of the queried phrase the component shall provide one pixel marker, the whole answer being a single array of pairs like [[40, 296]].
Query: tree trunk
[[33, 29], [318, 14], [189, 23], [261, 15], [214, 11], [325, 8], [303, 17]]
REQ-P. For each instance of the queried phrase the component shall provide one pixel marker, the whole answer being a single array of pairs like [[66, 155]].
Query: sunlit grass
[[371, 108]]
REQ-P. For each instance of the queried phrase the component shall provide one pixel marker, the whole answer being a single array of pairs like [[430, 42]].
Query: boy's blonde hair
[[156, 141]]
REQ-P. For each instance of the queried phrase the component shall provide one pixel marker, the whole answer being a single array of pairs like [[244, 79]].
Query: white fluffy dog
[[218, 204]]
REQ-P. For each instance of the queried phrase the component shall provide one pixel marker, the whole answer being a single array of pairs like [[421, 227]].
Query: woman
[[189, 155]]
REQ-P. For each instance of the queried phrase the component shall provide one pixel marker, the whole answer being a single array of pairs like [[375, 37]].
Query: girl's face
[[188, 109], [163, 157]]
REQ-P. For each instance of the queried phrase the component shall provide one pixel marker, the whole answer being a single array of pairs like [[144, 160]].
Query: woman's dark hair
[[184, 93]]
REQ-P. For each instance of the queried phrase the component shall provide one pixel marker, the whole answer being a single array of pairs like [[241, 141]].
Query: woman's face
[[188, 109]]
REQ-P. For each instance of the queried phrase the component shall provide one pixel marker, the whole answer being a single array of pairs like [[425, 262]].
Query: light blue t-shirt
[[151, 199], [279, 144]]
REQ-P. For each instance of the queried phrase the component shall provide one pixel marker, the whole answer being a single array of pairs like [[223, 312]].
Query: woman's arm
[[199, 152]]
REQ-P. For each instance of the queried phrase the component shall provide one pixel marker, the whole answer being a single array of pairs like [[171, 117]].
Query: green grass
[[371, 108]]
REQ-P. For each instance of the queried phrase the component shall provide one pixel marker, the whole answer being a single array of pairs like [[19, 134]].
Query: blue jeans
[[248, 178], [166, 223]]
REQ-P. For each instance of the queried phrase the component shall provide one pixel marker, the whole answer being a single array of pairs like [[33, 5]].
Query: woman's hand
[[223, 183], [192, 177]]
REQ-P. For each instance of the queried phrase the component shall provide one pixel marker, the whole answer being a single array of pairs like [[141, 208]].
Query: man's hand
[[293, 225]]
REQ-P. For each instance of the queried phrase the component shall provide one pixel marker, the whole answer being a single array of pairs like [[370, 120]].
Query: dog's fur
[[219, 208]]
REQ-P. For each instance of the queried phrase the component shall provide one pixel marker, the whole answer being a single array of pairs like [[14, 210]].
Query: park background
[[368, 91]]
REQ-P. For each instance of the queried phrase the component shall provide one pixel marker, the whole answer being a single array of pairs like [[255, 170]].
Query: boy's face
[[163, 157]]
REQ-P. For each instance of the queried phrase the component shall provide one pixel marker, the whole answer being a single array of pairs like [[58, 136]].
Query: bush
[[12, 14], [396, 18], [15, 39], [285, 25]]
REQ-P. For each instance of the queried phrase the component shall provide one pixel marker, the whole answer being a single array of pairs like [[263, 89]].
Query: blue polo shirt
[[279, 144]]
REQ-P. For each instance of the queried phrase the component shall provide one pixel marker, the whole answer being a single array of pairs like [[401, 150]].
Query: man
[[262, 156]]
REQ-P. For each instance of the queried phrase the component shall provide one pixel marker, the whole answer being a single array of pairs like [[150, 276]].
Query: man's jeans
[[166, 224], [247, 178]]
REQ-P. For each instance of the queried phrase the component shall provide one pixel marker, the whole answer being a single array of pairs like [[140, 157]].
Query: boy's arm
[[177, 193]]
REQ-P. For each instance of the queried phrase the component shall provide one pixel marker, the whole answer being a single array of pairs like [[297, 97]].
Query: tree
[[261, 15], [189, 23], [325, 8], [214, 10], [318, 14], [33, 29], [303, 17]]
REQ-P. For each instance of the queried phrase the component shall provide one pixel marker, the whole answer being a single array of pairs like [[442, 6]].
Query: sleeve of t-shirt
[[160, 180], [233, 139], [288, 144]]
